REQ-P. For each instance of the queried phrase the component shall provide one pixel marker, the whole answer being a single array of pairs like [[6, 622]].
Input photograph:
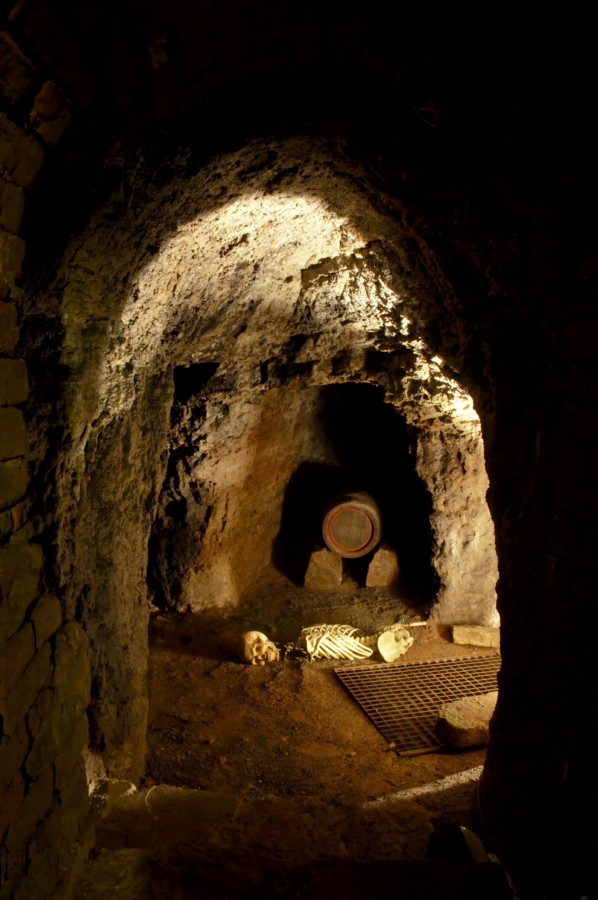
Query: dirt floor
[[288, 729]]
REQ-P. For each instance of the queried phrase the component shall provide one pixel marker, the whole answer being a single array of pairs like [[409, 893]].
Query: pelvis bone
[[256, 649]]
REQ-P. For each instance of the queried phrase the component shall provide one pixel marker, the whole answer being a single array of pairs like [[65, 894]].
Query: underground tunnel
[[145, 442], [297, 332]]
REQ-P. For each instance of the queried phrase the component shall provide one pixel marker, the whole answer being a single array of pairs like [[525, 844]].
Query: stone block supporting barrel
[[325, 570], [384, 570]]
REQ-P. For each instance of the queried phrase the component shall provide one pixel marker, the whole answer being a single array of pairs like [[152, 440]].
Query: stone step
[[169, 843], [290, 833]]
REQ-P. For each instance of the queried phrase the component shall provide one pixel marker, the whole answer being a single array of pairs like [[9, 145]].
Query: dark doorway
[[362, 443]]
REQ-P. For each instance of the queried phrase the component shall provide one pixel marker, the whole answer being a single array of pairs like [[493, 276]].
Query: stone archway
[[275, 253]]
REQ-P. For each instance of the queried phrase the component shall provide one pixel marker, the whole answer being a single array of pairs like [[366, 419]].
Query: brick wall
[[44, 662]]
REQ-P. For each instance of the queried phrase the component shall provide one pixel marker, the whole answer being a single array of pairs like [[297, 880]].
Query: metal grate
[[402, 699]]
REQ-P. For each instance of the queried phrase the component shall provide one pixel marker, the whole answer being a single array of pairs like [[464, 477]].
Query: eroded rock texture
[[205, 339]]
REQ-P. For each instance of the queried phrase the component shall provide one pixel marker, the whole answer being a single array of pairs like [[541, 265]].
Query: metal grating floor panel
[[402, 699]]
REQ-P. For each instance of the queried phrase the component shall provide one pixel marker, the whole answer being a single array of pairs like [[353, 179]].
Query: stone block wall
[[44, 662]]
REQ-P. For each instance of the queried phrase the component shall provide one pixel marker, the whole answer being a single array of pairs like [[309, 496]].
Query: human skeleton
[[346, 642], [328, 642]]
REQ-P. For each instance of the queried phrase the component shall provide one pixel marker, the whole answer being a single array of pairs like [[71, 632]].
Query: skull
[[393, 642], [256, 649]]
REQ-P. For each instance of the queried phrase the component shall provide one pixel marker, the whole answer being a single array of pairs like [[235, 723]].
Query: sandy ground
[[288, 729]]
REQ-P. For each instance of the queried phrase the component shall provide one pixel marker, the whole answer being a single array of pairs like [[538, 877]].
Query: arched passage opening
[[203, 339], [363, 441]]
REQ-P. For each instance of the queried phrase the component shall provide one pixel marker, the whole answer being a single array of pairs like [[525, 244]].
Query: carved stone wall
[[249, 472]]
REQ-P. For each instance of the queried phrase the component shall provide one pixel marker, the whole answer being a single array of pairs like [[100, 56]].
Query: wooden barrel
[[351, 524]]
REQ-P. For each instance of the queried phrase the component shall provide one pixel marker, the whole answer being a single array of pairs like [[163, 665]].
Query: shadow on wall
[[365, 445], [182, 510]]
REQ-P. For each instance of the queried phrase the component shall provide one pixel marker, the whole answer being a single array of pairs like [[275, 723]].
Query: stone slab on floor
[[466, 723], [324, 572], [476, 636], [383, 570], [288, 833]]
